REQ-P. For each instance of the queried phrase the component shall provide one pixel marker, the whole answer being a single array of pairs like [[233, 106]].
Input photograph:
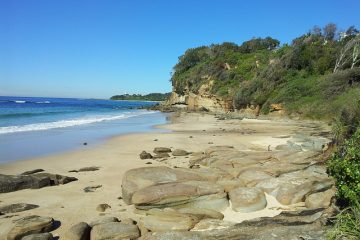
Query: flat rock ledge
[[186, 199]]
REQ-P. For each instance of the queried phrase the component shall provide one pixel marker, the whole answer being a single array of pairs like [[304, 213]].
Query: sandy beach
[[194, 132]]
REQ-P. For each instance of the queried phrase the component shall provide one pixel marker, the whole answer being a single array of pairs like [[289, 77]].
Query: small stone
[[158, 150], [190, 136], [155, 140], [145, 155], [92, 188], [84, 143], [161, 155], [102, 207], [148, 163], [210, 143]]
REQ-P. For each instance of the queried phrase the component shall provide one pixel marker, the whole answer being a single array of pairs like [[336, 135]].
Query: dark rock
[[32, 171], [148, 163], [17, 207], [39, 236], [158, 150], [30, 225], [102, 207], [145, 155], [80, 231], [86, 169], [92, 188], [56, 179], [84, 143]]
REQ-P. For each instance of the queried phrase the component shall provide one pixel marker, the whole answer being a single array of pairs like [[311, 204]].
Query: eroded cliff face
[[203, 100]]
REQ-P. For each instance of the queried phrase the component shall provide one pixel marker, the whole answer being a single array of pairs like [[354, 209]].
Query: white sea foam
[[68, 123], [44, 102], [19, 101]]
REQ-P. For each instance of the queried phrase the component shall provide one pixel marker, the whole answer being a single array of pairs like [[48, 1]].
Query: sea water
[[33, 127]]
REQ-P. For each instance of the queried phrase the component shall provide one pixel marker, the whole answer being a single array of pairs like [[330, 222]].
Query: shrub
[[346, 225], [344, 166]]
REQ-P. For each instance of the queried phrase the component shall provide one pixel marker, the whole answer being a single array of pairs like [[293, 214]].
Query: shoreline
[[193, 132]]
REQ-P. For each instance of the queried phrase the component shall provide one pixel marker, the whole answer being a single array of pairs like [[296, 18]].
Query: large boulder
[[139, 178], [30, 225], [80, 231], [38, 236], [178, 193], [114, 231], [103, 220], [247, 199], [157, 220]]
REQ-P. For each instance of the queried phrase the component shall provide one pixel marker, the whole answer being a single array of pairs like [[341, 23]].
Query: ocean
[[36, 126]]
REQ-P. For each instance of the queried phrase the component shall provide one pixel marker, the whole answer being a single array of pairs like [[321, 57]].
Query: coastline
[[193, 132]]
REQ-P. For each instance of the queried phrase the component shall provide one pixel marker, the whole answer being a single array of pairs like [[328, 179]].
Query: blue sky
[[75, 48]]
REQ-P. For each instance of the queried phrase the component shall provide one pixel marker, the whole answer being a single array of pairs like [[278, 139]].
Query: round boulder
[[247, 199]]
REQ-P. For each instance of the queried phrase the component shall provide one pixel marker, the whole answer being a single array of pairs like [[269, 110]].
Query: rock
[[320, 199], [55, 179], [202, 213], [102, 207], [228, 185], [211, 224], [30, 225], [17, 207], [158, 220], [145, 155], [88, 169], [158, 150], [246, 199], [252, 177], [139, 178], [103, 220], [11, 183], [161, 155], [179, 193], [92, 188], [128, 221], [39, 236], [80, 231], [180, 152], [114, 231], [148, 163], [33, 171]]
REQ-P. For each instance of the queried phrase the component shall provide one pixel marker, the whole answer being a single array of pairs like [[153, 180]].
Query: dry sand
[[69, 204]]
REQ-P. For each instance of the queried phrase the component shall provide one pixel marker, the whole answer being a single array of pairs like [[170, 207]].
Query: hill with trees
[[139, 97]]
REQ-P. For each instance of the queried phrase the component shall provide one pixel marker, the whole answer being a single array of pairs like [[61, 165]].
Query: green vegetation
[[347, 225], [139, 97]]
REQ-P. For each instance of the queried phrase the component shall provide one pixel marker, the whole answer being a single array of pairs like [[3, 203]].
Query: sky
[[96, 49]]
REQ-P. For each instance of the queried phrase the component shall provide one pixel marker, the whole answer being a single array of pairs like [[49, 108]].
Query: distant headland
[[147, 97]]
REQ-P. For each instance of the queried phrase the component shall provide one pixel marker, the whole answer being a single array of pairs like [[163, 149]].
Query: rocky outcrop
[[203, 100], [16, 207], [247, 199], [10, 183], [80, 231]]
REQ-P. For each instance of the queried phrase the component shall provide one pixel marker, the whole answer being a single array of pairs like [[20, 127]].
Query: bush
[[344, 166], [346, 225]]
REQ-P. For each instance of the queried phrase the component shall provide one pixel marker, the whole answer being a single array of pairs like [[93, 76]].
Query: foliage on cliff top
[[147, 97], [313, 76]]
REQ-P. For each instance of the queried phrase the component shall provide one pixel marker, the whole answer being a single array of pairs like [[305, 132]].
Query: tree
[[330, 31], [349, 54], [352, 31], [316, 30]]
